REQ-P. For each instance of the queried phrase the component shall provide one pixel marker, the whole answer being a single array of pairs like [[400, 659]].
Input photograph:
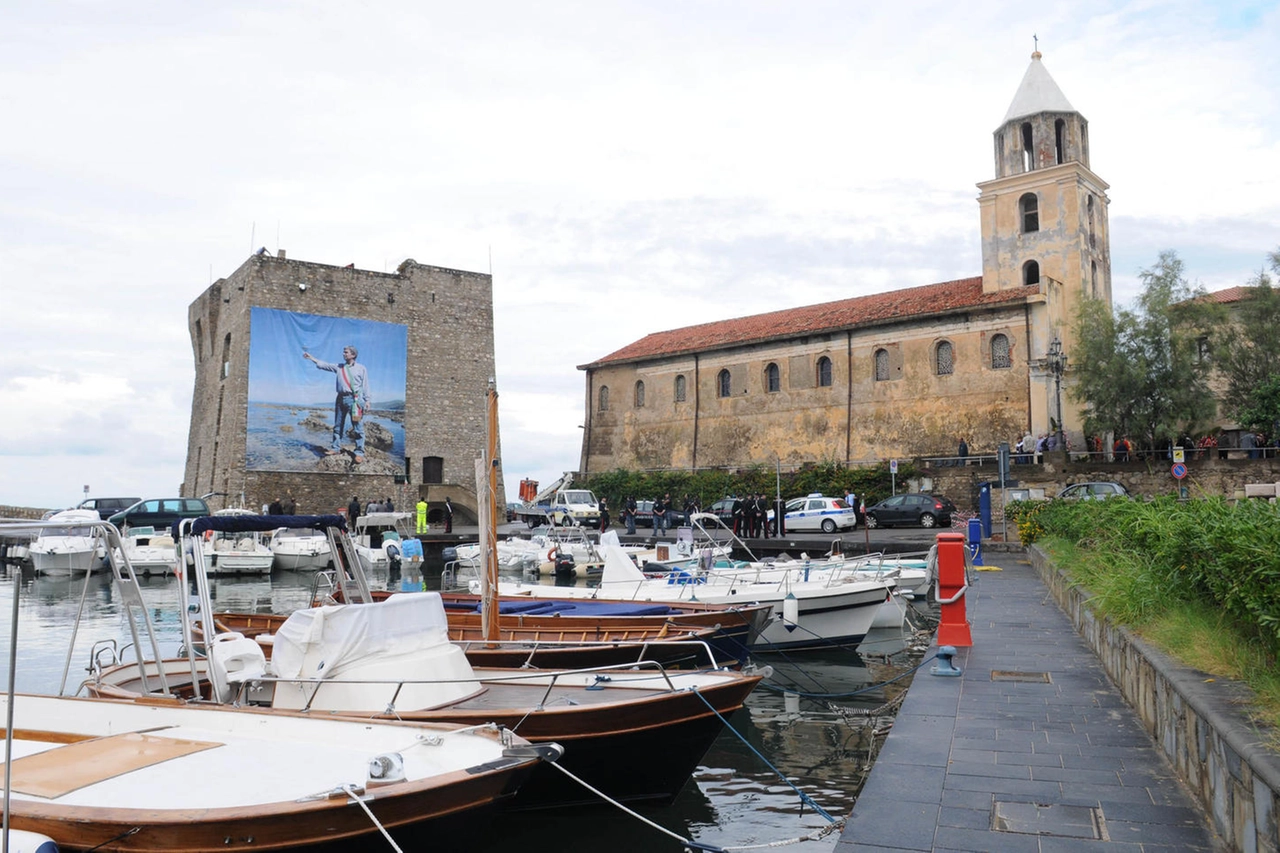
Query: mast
[[487, 506]]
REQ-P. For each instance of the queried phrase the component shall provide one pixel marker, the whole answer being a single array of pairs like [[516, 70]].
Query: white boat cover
[[321, 642]]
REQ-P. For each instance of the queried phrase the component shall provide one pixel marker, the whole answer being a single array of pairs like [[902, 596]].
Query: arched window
[[680, 388], [772, 380], [824, 372], [1031, 273], [723, 386], [604, 398], [1060, 140], [944, 359], [1029, 213], [1093, 239], [1028, 147], [1000, 358], [882, 365], [639, 395]]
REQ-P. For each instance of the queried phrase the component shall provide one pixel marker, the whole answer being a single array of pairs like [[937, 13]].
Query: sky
[[620, 167]]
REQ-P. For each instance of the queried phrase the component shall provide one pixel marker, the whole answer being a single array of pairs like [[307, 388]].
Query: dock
[[1031, 748]]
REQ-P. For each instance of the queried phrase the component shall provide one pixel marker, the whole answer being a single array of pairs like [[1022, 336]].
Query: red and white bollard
[[950, 587]]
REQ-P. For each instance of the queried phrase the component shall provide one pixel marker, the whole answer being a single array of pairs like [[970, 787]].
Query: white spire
[[1037, 94]]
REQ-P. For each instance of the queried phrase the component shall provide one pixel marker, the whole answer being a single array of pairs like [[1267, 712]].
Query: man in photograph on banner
[[352, 401]]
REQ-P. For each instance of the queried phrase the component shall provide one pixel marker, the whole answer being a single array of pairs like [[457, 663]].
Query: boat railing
[[534, 646], [604, 675]]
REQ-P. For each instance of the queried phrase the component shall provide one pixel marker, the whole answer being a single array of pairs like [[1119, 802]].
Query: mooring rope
[[351, 792]]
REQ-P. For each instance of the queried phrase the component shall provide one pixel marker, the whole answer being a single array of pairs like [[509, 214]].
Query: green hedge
[[1224, 553]]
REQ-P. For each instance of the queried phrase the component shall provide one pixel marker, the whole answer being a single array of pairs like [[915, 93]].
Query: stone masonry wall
[[449, 317]]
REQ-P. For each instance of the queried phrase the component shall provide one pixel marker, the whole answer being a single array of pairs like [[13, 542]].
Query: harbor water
[[818, 720]]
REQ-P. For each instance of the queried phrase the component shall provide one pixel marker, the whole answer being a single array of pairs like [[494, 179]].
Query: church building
[[898, 374]]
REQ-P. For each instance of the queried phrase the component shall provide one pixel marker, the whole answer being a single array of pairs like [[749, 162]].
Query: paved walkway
[[1031, 749]]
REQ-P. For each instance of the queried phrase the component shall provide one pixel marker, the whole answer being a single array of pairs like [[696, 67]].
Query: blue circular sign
[[1179, 470]]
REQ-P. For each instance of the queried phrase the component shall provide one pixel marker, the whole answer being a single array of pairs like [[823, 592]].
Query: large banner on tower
[[326, 394]]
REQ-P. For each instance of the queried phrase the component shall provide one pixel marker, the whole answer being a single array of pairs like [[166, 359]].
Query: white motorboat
[[149, 552], [72, 548], [300, 550], [373, 533], [236, 552]]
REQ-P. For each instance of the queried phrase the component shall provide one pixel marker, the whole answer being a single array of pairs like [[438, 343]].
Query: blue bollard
[[945, 666], [975, 540]]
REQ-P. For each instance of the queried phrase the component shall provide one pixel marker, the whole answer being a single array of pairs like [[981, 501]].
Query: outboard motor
[[393, 557], [565, 565]]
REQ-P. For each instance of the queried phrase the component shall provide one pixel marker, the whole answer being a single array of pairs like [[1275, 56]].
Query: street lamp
[[1056, 361]]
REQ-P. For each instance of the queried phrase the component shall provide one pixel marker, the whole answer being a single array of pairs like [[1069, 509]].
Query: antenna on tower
[[1035, 39]]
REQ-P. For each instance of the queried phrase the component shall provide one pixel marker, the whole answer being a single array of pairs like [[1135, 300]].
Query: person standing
[[604, 514], [762, 513], [738, 514], [963, 451], [353, 510], [448, 515], [629, 513], [421, 507], [274, 508], [352, 402], [659, 517], [289, 506]]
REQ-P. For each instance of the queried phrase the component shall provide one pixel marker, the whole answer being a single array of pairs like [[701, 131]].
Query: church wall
[[449, 319], [916, 412]]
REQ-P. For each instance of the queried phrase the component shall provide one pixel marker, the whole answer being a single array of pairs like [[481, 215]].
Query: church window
[[1029, 211], [1093, 239], [639, 395], [882, 365], [944, 359], [1031, 273], [824, 372], [1000, 352], [1060, 140], [604, 398], [1028, 159], [772, 380], [723, 385], [680, 384]]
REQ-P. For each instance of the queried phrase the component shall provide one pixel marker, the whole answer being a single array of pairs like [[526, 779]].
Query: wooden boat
[[636, 734], [98, 774], [156, 774], [571, 646]]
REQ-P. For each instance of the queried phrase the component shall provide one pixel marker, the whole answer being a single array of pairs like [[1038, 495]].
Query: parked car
[[644, 513], [1093, 491], [159, 513], [107, 507], [922, 509], [723, 510], [818, 512]]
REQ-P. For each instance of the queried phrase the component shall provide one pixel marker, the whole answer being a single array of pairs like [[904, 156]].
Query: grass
[[1136, 589]]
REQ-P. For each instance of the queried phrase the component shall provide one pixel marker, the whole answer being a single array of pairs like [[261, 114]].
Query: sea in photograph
[[284, 437], [822, 736]]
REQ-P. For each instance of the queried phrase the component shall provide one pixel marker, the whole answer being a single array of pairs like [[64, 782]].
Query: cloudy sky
[[621, 167]]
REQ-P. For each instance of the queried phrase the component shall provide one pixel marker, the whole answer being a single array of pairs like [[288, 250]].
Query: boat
[[149, 552], [70, 545], [374, 532], [299, 550], [236, 552], [806, 614], [154, 774]]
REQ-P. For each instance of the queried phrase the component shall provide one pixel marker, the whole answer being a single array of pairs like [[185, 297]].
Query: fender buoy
[[790, 611]]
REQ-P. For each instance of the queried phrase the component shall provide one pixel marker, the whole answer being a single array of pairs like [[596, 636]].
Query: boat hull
[[66, 562]]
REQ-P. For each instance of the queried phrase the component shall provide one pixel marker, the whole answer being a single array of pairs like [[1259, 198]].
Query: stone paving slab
[[999, 759]]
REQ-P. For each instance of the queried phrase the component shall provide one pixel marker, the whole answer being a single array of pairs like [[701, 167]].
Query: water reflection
[[807, 721]]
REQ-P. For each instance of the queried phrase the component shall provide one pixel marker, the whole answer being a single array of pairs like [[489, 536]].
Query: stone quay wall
[[1196, 719]]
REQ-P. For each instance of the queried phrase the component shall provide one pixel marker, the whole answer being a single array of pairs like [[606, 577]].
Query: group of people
[[421, 508], [751, 516], [282, 506]]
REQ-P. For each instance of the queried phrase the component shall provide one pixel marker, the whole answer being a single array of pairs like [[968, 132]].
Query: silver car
[[1093, 491]]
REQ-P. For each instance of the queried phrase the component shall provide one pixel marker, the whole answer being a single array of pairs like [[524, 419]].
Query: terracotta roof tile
[[1231, 294], [931, 299]]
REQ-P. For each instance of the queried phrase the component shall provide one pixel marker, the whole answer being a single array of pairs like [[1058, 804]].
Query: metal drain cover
[[1014, 675], [1042, 819]]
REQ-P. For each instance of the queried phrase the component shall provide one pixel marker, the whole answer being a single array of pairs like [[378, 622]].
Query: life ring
[[208, 534], [551, 555]]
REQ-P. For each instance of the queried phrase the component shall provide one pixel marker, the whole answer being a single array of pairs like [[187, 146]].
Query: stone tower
[[1045, 226]]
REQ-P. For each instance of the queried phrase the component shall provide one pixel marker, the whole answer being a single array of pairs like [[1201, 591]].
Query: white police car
[[816, 512]]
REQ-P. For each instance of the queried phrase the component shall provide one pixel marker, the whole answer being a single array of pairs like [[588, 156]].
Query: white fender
[[790, 611]]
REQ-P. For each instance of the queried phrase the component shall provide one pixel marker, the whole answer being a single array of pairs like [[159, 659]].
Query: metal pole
[[8, 726]]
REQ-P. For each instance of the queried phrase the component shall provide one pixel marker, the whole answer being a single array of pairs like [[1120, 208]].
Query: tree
[[1247, 352], [1138, 370]]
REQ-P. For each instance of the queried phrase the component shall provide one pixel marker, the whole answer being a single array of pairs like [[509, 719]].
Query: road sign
[[893, 466], [1179, 454], [1179, 470]]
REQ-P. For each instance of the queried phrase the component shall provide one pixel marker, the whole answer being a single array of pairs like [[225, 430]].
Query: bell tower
[[1044, 223]]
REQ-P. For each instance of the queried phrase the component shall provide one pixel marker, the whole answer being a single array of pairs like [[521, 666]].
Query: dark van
[[107, 507], [159, 513]]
